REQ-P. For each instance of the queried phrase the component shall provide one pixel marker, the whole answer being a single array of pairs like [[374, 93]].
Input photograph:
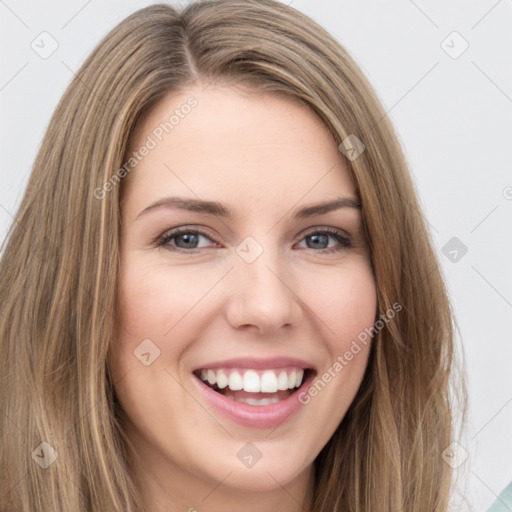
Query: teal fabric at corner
[[504, 502]]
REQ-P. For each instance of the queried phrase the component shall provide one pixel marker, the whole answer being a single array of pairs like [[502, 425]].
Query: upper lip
[[257, 363]]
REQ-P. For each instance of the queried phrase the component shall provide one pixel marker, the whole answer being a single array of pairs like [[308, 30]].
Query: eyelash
[[163, 241]]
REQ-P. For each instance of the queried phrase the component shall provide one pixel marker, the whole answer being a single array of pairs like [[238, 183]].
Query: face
[[244, 280]]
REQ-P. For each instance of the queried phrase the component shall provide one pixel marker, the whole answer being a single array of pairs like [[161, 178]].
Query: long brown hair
[[59, 269]]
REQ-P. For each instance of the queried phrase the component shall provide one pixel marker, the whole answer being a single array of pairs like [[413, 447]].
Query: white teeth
[[291, 379], [253, 381], [222, 379], [282, 381], [212, 378], [255, 401], [268, 382], [235, 381]]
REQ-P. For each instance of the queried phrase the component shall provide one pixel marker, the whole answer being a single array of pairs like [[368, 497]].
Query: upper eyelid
[[328, 229], [202, 231], [169, 234]]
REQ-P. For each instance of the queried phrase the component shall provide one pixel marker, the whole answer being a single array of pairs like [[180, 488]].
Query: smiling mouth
[[254, 387]]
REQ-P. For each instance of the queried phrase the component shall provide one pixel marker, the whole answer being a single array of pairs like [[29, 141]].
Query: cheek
[[344, 301], [345, 304], [148, 305], [159, 303], [152, 298]]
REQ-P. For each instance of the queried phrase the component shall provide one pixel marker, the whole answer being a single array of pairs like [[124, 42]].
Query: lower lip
[[255, 416]]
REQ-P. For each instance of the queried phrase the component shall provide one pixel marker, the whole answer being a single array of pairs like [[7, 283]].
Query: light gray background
[[454, 117]]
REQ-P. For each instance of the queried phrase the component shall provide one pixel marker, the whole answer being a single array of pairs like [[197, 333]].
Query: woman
[[219, 290]]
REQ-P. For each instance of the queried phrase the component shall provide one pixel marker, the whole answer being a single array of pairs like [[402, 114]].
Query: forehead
[[235, 143]]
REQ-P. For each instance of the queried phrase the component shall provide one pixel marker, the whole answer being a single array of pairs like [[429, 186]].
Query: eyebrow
[[218, 209]]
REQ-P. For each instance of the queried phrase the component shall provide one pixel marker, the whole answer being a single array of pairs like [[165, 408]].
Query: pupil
[[189, 241], [317, 241]]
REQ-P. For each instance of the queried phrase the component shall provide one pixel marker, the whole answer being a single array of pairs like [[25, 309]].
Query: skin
[[263, 157]]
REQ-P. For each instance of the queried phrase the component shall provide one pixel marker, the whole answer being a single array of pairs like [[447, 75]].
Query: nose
[[262, 295]]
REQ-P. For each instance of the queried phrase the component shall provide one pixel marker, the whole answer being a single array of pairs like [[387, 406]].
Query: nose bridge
[[261, 288]]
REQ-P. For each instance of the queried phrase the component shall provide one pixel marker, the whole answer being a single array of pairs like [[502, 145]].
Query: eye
[[183, 239], [326, 240]]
